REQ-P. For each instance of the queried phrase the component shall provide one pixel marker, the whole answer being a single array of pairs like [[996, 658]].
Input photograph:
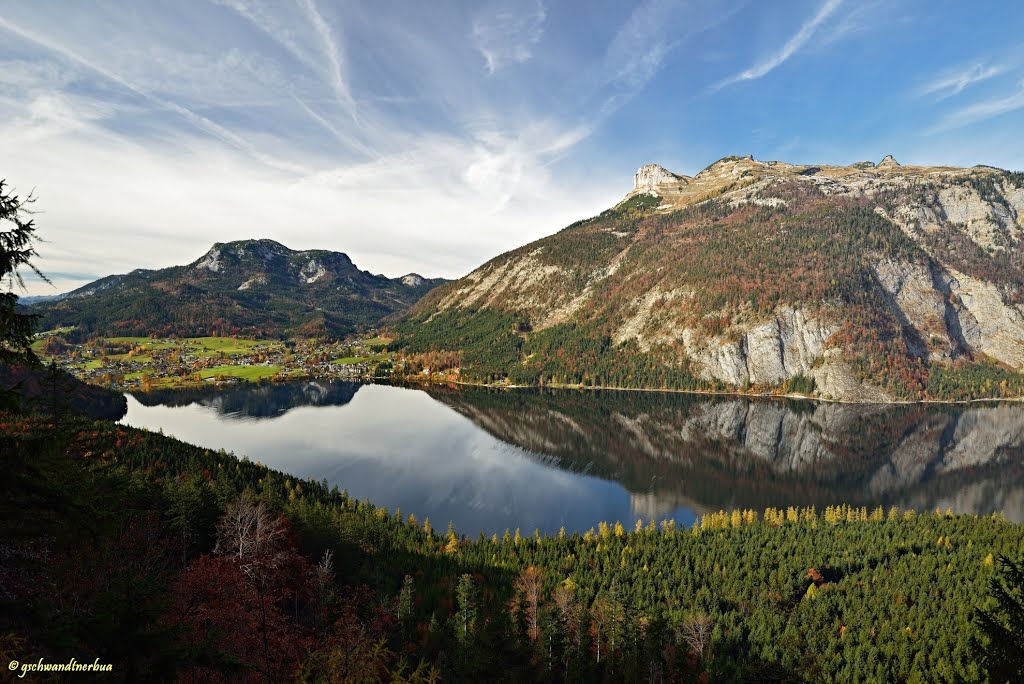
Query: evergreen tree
[[1004, 624], [16, 251]]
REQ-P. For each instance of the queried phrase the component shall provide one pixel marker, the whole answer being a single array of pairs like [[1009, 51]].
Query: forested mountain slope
[[247, 287], [864, 282]]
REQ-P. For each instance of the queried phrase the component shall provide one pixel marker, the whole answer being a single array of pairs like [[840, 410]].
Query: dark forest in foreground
[[176, 562]]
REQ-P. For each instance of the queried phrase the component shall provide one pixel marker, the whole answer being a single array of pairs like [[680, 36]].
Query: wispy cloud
[[794, 44], [954, 82], [435, 194], [508, 32], [641, 45], [333, 54], [982, 110], [201, 122], [426, 143], [647, 39], [503, 167]]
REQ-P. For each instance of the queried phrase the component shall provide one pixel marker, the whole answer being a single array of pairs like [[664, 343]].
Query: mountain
[[38, 299], [248, 287], [864, 282]]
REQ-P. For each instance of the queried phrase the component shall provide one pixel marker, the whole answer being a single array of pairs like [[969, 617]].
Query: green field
[[376, 341], [177, 360], [348, 360], [227, 345], [201, 346], [250, 373], [56, 331], [149, 344]]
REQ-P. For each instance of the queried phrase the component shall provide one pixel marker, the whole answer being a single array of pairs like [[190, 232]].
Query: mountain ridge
[[866, 282], [251, 287]]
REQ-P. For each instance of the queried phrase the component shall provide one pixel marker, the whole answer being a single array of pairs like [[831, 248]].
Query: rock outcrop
[[412, 280], [651, 179], [783, 346], [888, 163]]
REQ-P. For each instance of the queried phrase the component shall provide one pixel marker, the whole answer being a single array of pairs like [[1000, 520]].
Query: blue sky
[[430, 137]]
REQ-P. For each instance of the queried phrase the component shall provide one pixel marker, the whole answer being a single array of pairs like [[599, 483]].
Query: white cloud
[[955, 81], [507, 32], [794, 44], [20, 75], [333, 53], [648, 38], [147, 150], [282, 28], [440, 206], [982, 110]]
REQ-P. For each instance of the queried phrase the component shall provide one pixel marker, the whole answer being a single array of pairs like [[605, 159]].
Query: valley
[[151, 363]]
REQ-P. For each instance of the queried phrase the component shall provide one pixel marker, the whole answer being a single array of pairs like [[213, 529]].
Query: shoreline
[[722, 393], [414, 380]]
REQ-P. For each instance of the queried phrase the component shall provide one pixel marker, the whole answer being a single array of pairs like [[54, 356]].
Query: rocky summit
[[867, 282], [247, 287]]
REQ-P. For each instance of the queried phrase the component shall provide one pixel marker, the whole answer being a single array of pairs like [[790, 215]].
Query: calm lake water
[[492, 460]]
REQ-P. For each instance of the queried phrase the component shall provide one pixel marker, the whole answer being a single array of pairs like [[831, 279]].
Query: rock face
[[783, 346], [888, 163], [650, 177], [951, 314], [753, 273]]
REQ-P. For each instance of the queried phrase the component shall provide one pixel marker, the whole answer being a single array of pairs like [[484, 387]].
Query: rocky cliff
[[863, 282]]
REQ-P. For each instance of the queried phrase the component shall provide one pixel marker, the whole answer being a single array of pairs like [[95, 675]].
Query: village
[[134, 363]]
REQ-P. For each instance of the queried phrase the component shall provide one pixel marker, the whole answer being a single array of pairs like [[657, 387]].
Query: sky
[[430, 137]]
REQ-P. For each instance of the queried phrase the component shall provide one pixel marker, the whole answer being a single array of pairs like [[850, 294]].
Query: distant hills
[[247, 287], [868, 282]]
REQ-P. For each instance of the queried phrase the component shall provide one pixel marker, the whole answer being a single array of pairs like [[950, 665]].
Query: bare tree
[[323, 581], [572, 617], [529, 585], [256, 539], [250, 533], [696, 633]]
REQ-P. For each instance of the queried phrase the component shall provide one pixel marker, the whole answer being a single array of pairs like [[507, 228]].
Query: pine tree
[[16, 251]]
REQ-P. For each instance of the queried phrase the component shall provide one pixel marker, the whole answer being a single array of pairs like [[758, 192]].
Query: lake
[[491, 460]]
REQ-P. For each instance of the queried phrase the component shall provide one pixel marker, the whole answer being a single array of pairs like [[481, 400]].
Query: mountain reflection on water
[[491, 460]]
